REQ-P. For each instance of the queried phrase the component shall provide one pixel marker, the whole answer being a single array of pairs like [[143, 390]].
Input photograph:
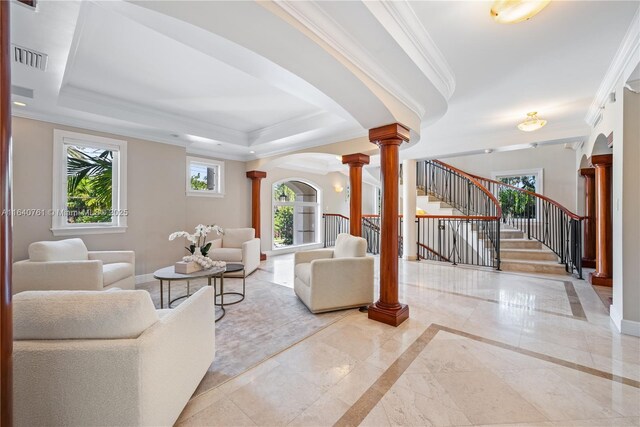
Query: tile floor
[[480, 348]]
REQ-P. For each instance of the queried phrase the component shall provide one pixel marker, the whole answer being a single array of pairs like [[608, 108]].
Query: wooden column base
[[598, 280], [393, 315], [263, 256], [588, 263]]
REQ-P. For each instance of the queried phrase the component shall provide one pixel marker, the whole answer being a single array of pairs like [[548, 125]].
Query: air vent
[[29, 57]]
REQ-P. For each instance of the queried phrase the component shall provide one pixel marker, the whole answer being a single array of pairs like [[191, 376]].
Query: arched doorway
[[296, 213]]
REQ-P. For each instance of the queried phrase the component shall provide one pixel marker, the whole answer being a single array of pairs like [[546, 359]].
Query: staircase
[[517, 253], [432, 205]]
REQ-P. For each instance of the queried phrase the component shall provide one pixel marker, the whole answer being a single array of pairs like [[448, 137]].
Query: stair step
[[550, 267], [519, 244], [511, 234], [528, 254]]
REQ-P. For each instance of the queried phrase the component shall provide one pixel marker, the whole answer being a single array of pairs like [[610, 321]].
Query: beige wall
[[558, 163], [156, 197]]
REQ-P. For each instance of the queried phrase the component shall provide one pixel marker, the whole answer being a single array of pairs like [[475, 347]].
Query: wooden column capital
[[355, 160], [388, 308], [588, 172], [256, 174], [394, 134], [602, 160]]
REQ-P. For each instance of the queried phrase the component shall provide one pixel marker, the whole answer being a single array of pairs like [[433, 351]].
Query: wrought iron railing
[[541, 219], [471, 238], [371, 233], [334, 224]]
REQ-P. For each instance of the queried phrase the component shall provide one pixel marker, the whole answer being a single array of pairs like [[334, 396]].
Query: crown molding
[[628, 50], [312, 17], [83, 124], [402, 23]]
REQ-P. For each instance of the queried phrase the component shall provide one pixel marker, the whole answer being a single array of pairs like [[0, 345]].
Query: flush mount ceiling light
[[252, 152], [533, 122], [513, 11]]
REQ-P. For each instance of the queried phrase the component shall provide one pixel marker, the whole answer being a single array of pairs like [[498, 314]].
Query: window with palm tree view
[[295, 214], [89, 183]]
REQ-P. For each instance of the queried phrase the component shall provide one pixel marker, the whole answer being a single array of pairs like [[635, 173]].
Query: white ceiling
[[552, 64], [252, 79]]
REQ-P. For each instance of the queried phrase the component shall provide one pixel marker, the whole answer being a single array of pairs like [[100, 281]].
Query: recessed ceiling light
[[252, 152], [533, 122], [513, 11], [175, 135], [19, 104]]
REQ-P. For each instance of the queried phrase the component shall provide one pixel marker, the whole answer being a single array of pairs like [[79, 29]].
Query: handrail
[[522, 190], [338, 215], [474, 179]]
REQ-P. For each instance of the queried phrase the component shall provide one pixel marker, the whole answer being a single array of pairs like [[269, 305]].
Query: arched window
[[296, 213]]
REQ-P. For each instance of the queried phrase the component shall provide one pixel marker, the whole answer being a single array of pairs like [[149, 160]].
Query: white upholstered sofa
[[68, 265], [84, 358], [334, 279], [237, 245]]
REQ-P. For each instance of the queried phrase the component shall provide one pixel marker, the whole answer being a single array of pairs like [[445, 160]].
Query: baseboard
[[627, 327], [144, 278]]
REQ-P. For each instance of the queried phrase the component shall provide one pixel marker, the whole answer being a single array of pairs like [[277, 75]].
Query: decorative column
[[388, 309], [256, 177], [589, 258], [409, 198], [603, 276], [356, 162], [6, 322]]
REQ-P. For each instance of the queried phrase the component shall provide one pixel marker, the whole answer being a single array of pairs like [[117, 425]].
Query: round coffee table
[[230, 268], [169, 275]]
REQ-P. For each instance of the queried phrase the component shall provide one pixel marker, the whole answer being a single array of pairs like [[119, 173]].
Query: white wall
[[558, 163], [157, 202], [621, 118]]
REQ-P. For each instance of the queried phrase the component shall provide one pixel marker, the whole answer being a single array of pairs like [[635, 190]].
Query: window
[[205, 177], [296, 214], [89, 184], [515, 203]]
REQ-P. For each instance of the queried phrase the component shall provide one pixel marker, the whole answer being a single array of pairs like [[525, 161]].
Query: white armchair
[[335, 279], [108, 358], [237, 245], [68, 265]]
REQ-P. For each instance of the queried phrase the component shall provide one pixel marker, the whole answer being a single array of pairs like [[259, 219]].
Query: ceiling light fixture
[[19, 104], [252, 152], [533, 122], [514, 11]]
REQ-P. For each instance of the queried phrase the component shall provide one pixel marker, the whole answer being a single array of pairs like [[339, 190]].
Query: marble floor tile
[[502, 353], [485, 398], [276, 398], [220, 413]]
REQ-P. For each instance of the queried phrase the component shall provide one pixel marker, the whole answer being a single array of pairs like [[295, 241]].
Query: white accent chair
[[237, 245], [85, 358], [68, 265], [335, 279]]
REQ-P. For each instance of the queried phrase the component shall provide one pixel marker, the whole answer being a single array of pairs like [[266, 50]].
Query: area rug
[[269, 320]]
